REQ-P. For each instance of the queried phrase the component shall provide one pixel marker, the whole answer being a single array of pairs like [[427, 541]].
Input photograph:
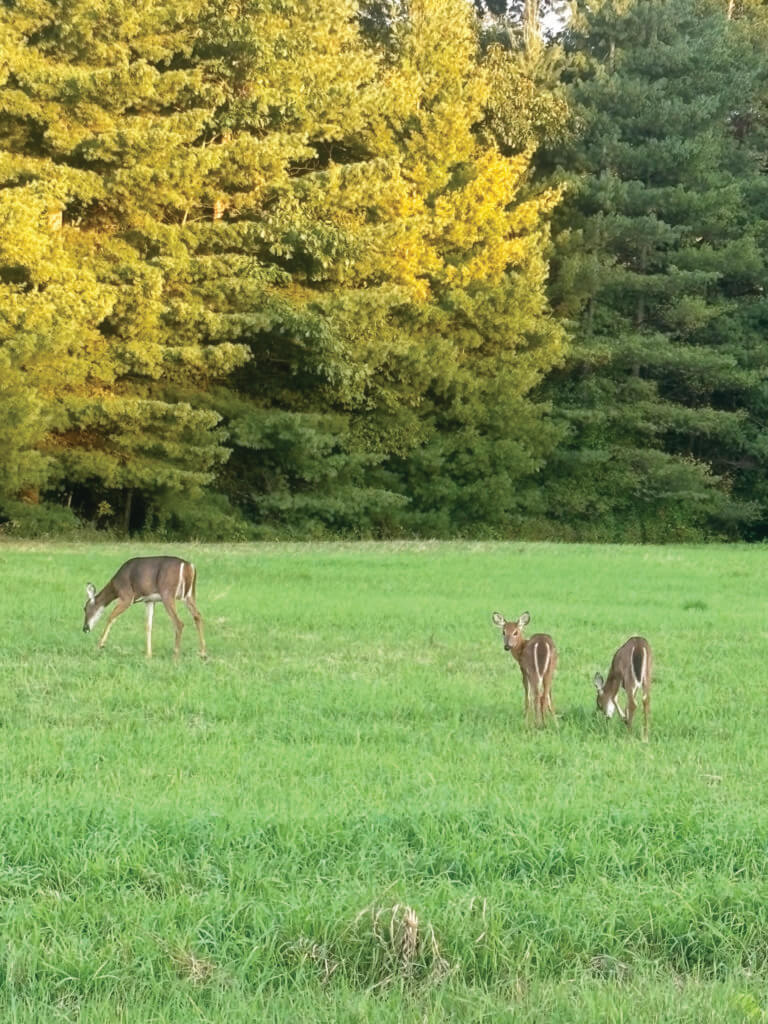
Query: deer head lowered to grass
[[147, 580], [631, 669]]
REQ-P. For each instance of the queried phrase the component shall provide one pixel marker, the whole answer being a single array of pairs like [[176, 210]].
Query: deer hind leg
[[121, 606], [529, 704], [547, 701], [170, 606], [550, 705], [544, 661], [631, 707], [646, 713], [190, 603], [547, 696], [540, 702]]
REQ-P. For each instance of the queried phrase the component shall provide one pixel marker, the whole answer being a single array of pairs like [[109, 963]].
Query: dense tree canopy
[[662, 263], [286, 268]]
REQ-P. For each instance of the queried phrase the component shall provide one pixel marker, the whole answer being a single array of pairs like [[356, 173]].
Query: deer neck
[[106, 595], [518, 651]]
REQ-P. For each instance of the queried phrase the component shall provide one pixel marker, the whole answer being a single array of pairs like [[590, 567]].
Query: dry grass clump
[[198, 970], [383, 946], [404, 949], [319, 955]]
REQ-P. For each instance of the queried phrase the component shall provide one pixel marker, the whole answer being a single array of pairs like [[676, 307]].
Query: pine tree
[[101, 149], [259, 231], [485, 327], [390, 239], [661, 268]]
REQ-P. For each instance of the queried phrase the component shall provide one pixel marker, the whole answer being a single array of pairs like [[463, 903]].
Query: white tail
[[159, 578], [631, 669], [537, 658]]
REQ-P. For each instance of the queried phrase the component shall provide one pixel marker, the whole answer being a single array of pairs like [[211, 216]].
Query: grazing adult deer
[[631, 668], [537, 658], [157, 578]]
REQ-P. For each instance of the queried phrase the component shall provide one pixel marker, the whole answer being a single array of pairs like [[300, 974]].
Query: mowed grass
[[341, 815]]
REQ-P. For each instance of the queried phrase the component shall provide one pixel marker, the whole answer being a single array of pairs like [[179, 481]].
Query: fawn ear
[[599, 682], [524, 619], [90, 591], [498, 619]]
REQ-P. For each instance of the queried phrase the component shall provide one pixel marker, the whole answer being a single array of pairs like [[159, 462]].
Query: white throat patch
[[93, 619]]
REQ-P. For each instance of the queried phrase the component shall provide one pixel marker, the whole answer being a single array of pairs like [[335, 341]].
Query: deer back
[[538, 656], [161, 576], [631, 666]]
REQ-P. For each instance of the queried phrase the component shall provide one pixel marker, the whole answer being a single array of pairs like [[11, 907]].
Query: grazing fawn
[[537, 658], [159, 578], [631, 668]]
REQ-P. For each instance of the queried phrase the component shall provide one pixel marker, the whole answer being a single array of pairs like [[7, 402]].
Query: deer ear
[[524, 619], [599, 682], [90, 591], [498, 619]]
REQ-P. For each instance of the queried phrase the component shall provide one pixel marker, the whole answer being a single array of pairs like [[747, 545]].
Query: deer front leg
[[119, 608], [170, 606], [150, 616], [618, 707], [198, 623]]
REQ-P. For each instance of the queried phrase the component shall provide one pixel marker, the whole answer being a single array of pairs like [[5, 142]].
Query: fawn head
[[512, 630], [605, 703]]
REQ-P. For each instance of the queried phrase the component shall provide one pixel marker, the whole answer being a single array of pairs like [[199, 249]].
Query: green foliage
[[280, 192], [286, 268], [211, 517], [661, 265], [471, 477], [34, 520], [300, 474], [100, 147]]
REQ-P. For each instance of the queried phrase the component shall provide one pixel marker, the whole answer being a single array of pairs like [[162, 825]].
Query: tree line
[[384, 267]]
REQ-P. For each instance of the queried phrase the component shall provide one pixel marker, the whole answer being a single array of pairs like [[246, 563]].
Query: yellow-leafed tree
[[263, 229]]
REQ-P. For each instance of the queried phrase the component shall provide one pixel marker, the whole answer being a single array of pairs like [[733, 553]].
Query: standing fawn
[[537, 658], [159, 578], [631, 668]]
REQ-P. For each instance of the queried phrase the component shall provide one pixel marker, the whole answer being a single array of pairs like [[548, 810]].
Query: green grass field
[[341, 815]]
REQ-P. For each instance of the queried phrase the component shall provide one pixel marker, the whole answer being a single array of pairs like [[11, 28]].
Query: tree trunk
[[127, 511]]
